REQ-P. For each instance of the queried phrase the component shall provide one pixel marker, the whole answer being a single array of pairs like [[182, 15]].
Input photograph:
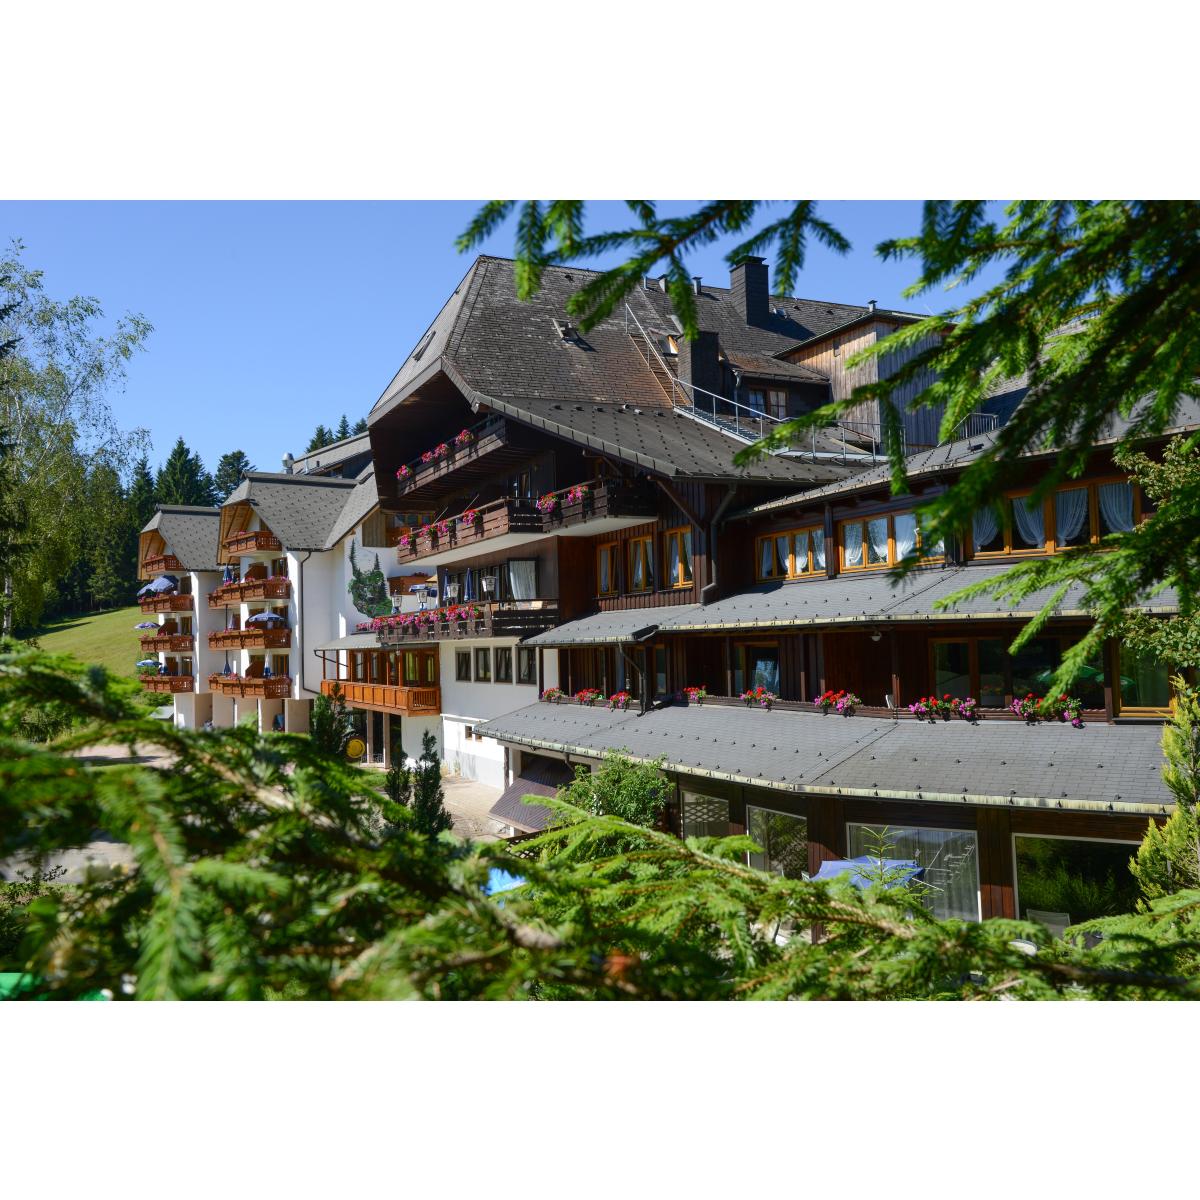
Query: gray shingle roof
[[1099, 768], [958, 454], [764, 366], [300, 510], [603, 628], [538, 777], [509, 356], [361, 500], [868, 597], [333, 454], [190, 533]]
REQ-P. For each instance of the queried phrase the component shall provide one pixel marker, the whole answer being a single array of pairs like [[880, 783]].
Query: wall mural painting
[[368, 589]]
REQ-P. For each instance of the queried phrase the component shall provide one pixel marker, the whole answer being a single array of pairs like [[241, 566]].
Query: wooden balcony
[[169, 683], [379, 697], [496, 445], [277, 588], [495, 526], [273, 688], [603, 507], [158, 564], [250, 639], [490, 620], [168, 643], [165, 604], [259, 542]]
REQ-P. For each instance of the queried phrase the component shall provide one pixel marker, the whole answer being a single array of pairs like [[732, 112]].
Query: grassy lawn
[[107, 639]]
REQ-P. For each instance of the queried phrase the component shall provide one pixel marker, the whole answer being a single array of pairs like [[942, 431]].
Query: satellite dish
[[355, 748]]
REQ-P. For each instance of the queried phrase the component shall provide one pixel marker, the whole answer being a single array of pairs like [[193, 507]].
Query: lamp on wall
[[875, 635]]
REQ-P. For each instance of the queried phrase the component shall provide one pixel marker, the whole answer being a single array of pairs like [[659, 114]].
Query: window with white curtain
[[852, 544], [879, 542], [522, 578], [987, 534], [950, 858], [1029, 527], [1071, 526], [1115, 502], [818, 548], [787, 555], [906, 535]]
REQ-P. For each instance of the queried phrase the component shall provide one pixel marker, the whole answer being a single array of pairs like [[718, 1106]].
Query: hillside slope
[[107, 639]]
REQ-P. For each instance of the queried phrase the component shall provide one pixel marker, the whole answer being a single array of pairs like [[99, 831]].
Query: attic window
[[422, 346], [566, 330]]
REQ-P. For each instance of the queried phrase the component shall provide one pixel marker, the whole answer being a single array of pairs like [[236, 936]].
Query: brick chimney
[[699, 363], [748, 279]]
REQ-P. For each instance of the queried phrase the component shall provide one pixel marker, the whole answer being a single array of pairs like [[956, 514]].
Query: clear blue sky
[[271, 317]]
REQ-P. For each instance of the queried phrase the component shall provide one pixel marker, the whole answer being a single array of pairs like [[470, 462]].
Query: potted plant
[[547, 505], [930, 708], [1027, 706], [588, 696], [619, 701], [760, 696], [464, 438], [468, 520], [1064, 708], [405, 472], [553, 695], [696, 695], [966, 707]]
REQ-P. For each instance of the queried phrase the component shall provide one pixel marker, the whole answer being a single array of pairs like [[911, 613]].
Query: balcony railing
[[485, 449], [168, 643], [272, 687], [165, 604], [259, 542], [595, 502], [502, 619], [156, 564], [278, 587], [409, 701], [477, 525], [169, 683], [250, 639]]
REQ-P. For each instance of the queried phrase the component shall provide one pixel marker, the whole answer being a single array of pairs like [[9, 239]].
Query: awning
[[609, 628], [539, 777], [352, 641]]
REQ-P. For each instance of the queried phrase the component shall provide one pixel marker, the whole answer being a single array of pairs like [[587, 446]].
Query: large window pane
[[951, 669], [1062, 881], [1034, 666], [1115, 501], [1144, 682], [784, 839], [949, 857], [762, 668], [991, 672], [705, 816], [1089, 686]]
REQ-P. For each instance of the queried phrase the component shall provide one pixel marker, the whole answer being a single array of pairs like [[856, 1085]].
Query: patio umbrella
[[228, 669], [227, 577], [146, 625], [268, 620], [469, 585], [148, 662]]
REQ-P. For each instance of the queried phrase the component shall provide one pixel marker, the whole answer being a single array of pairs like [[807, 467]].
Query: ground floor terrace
[[1007, 819]]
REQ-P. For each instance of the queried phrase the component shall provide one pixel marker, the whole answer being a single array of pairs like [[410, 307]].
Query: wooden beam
[[679, 502]]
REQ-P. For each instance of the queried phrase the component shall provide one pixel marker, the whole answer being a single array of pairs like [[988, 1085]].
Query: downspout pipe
[[708, 593], [303, 662]]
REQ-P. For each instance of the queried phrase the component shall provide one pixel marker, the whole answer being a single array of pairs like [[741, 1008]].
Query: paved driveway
[[468, 802]]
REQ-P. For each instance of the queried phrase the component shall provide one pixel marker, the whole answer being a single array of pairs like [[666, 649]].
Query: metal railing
[[843, 439]]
